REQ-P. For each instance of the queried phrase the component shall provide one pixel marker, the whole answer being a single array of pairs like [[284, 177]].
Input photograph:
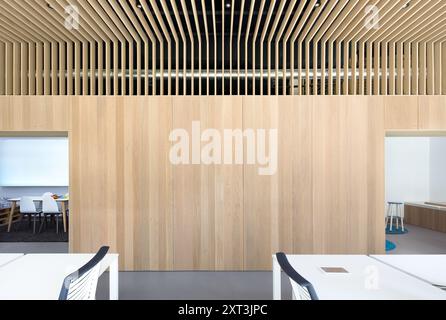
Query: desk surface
[[430, 268], [368, 279], [40, 276], [37, 199], [7, 258]]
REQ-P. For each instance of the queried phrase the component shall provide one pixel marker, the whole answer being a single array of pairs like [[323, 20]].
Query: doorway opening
[[415, 184], [34, 192]]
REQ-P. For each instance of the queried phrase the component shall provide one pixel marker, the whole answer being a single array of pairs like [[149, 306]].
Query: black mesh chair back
[[81, 284], [306, 289]]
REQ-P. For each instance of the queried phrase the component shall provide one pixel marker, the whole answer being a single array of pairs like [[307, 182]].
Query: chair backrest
[[81, 284], [306, 289], [27, 205], [49, 204]]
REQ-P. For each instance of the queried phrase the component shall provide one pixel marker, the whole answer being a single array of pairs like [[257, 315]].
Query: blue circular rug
[[390, 246], [396, 231]]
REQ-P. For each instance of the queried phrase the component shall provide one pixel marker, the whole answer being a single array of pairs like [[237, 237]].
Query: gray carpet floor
[[23, 232]]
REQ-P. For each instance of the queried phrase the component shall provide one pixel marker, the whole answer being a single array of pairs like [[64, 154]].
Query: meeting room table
[[63, 203]]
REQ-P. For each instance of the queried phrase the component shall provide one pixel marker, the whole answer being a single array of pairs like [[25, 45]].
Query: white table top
[[368, 279], [430, 268], [37, 199], [7, 258], [40, 276]]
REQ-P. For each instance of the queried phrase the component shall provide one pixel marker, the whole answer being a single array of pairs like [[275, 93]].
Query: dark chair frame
[[81, 272], [295, 276]]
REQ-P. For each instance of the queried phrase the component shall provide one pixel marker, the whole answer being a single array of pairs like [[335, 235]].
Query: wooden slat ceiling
[[206, 47]]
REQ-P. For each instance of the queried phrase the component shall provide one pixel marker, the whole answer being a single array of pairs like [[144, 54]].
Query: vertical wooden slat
[[47, 68], [392, 68], [70, 67], [2, 67], [361, 58], [16, 68], [399, 66], [24, 68], [415, 70], [32, 69], [384, 69], [62, 68], [369, 66], [77, 68], [430, 72], [407, 68], [54, 68], [376, 68], [330, 68], [39, 68], [346, 64], [438, 68], [422, 67], [354, 57], [9, 51]]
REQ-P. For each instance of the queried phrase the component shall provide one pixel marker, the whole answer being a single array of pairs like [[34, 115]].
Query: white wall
[[416, 169], [407, 169], [438, 169], [34, 161]]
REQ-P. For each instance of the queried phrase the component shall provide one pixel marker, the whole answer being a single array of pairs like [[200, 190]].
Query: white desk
[[430, 268], [62, 201], [368, 279], [41, 276], [8, 258]]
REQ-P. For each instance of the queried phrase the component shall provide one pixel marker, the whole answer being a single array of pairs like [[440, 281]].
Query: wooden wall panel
[[346, 200], [208, 219], [97, 207], [26, 113], [432, 112], [401, 112], [261, 193], [148, 181]]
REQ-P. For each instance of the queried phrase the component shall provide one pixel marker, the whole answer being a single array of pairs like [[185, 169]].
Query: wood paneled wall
[[327, 196]]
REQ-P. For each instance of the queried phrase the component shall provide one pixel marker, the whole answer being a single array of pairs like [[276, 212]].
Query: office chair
[[28, 208], [51, 208], [82, 284], [305, 289]]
